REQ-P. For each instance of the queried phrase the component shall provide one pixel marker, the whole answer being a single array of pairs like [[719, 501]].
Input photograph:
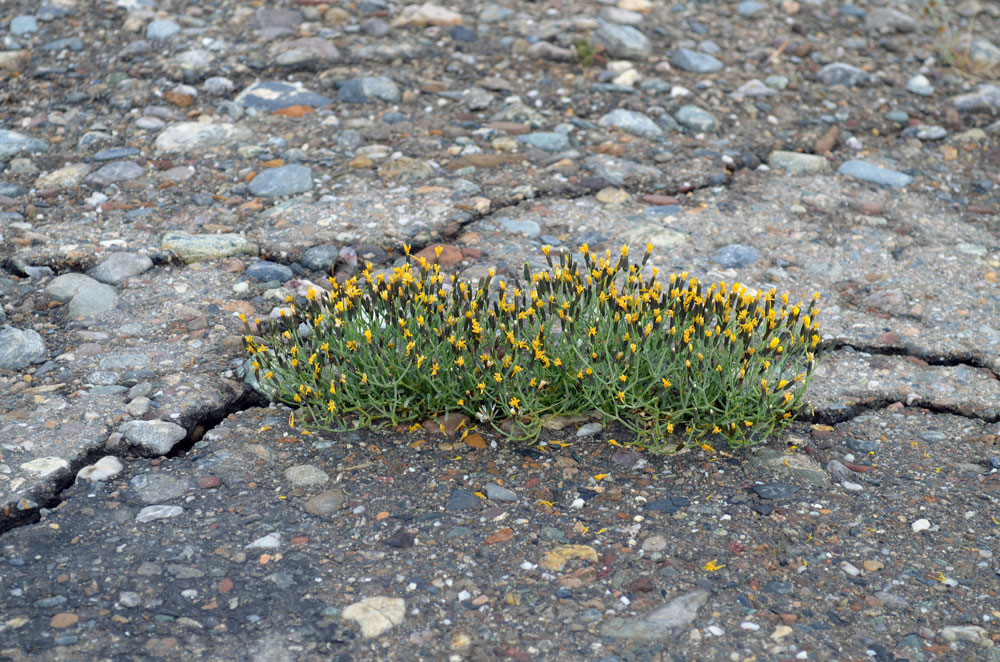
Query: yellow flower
[[498, 377], [623, 378], [481, 386], [291, 420], [434, 369], [621, 396], [546, 249], [420, 359], [331, 406], [243, 318], [593, 331], [665, 382], [364, 378], [368, 335], [406, 249], [514, 402], [460, 361]]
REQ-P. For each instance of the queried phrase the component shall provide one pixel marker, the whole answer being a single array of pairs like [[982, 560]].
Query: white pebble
[[747, 625], [849, 569], [463, 596], [715, 630], [852, 487], [577, 503], [920, 525]]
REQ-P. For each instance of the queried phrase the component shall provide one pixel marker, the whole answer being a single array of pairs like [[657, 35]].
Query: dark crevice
[[50, 496], [850, 412], [942, 360]]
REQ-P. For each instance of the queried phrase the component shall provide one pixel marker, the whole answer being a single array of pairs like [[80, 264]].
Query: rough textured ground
[[199, 160]]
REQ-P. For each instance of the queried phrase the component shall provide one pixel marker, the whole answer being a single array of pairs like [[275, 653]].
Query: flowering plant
[[672, 361]]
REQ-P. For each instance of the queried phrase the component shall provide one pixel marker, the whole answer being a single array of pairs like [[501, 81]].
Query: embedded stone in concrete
[[201, 247], [153, 437]]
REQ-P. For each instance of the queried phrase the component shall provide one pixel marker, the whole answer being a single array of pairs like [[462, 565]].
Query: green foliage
[[673, 362]]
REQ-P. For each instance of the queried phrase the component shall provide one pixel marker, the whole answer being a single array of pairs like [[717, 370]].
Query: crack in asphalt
[[938, 360], [50, 496]]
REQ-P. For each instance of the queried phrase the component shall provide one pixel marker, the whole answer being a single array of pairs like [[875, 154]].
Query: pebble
[[158, 488], [153, 437], [45, 466], [107, 467], [320, 258], [119, 267], [548, 141], [528, 228], [269, 541], [696, 119], [13, 143], [984, 53], [22, 25], [281, 181], [325, 504], [661, 624], [162, 29], [187, 137], [151, 513], [622, 41], [201, 247], [920, 85], [306, 475], [920, 525], [267, 272], [462, 499], [376, 615], [885, 20], [20, 348], [270, 96], [775, 490], [736, 256], [797, 163], [749, 8], [837, 470], [496, 492], [851, 487], [85, 295], [670, 505], [66, 177], [701, 63], [632, 122], [753, 88], [840, 73], [589, 429], [870, 172], [368, 88]]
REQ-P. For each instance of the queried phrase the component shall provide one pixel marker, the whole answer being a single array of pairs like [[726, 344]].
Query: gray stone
[[494, 13], [987, 97], [74, 44], [267, 272], [194, 136], [661, 624], [307, 53], [113, 153], [92, 299], [870, 172], [22, 25], [897, 116], [775, 490], [281, 181], [274, 95], [320, 258], [779, 587], [66, 177], [930, 132], [528, 228], [153, 438], [622, 41], [984, 53], [119, 171], [202, 247], [753, 88], [696, 119], [885, 20], [162, 29], [119, 267], [368, 88], [496, 492], [325, 503], [693, 61], [749, 8], [20, 348], [797, 163], [306, 475], [920, 85], [12, 190], [736, 256], [462, 499], [632, 122], [618, 171], [158, 488], [837, 470], [14, 142], [151, 513], [840, 73], [549, 141]]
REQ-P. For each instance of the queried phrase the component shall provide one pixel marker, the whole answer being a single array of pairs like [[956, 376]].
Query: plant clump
[[673, 361]]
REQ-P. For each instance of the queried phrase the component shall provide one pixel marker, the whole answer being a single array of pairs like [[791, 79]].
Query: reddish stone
[[450, 255], [225, 585], [657, 199], [888, 338], [640, 585], [870, 208], [471, 253], [208, 482]]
